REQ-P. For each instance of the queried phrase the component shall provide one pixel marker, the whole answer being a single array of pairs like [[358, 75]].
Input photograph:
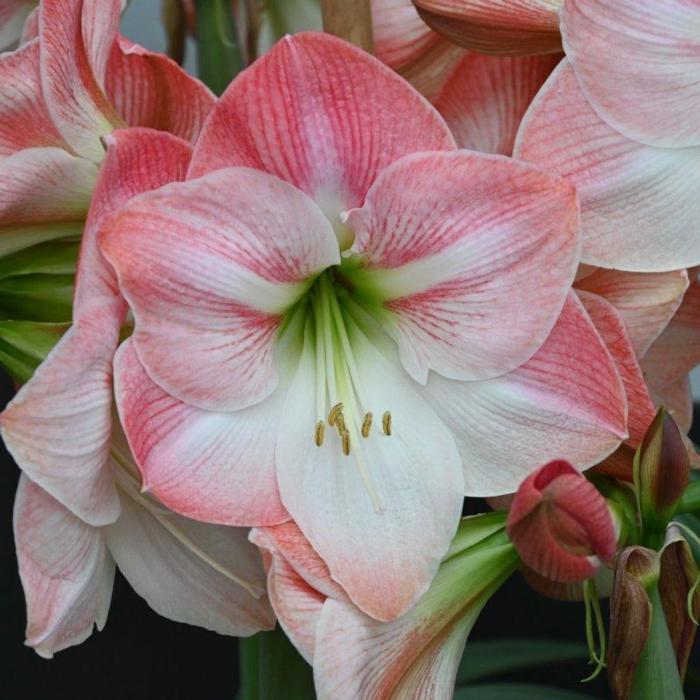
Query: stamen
[[386, 422], [345, 439], [340, 423], [367, 424], [335, 413], [320, 432]]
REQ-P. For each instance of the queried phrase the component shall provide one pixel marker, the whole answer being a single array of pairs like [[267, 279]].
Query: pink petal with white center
[[638, 62], [149, 89], [485, 97], [646, 301], [217, 467], [65, 569], [297, 604], [13, 14], [24, 119], [501, 27], [44, 194], [677, 350], [76, 39], [451, 243], [359, 510], [58, 427], [611, 327], [638, 203], [566, 400], [677, 399], [322, 115], [210, 265], [204, 575]]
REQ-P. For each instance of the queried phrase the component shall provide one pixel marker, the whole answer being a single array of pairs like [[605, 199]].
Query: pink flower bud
[[560, 524]]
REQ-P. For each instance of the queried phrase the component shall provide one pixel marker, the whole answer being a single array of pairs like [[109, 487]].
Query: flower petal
[[677, 398], [209, 265], [502, 27], [322, 115], [646, 301], [611, 327], [485, 97], [76, 39], [205, 575], [637, 62], [24, 119], [566, 401], [65, 569], [638, 203], [217, 467], [149, 89], [13, 14], [406, 487], [451, 243]]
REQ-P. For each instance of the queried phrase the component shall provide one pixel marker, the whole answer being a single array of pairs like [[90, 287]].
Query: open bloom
[[560, 524], [356, 657], [353, 346]]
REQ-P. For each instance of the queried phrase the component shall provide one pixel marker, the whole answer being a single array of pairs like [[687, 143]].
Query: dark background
[[140, 655]]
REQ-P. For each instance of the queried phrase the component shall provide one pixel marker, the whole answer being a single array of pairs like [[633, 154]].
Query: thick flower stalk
[[343, 377]]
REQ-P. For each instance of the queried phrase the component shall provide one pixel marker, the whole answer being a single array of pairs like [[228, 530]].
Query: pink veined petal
[[638, 63], [322, 115], [677, 398], [638, 203], [296, 603], [210, 265], [677, 350], [501, 27], [76, 39], [452, 244], [65, 569], [30, 30], [567, 400], [13, 14], [58, 427], [646, 301], [428, 73], [217, 467], [358, 510], [610, 325], [149, 89], [484, 98], [24, 119], [204, 575]]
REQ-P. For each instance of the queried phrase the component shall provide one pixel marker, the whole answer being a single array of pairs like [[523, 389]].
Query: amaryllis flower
[[207, 575], [616, 132], [502, 27], [341, 318], [13, 14], [356, 657], [560, 524]]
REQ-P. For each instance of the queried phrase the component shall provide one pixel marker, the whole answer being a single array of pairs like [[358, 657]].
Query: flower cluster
[[314, 314]]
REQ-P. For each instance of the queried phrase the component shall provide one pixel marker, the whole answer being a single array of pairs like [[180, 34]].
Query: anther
[[386, 423], [320, 432], [345, 439], [367, 424], [336, 411], [340, 423]]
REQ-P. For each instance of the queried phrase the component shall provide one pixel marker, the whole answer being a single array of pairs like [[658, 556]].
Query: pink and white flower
[[342, 318]]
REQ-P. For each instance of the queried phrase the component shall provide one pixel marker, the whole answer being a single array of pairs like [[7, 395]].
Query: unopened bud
[[661, 472], [560, 524]]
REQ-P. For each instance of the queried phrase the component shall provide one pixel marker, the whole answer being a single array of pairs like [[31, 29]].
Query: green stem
[[218, 53], [690, 501], [656, 677], [271, 668]]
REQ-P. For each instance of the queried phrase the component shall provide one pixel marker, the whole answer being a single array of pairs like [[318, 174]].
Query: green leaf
[[14, 238], [24, 345], [56, 258], [37, 298], [489, 658], [517, 691]]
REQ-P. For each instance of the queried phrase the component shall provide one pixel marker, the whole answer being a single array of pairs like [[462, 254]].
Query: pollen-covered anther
[[386, 422], [334, 413], [367, 424], [345, 439], [319, 433]]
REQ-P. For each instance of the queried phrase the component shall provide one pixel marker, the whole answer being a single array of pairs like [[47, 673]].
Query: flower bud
[[560, 524], [661, 472]]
